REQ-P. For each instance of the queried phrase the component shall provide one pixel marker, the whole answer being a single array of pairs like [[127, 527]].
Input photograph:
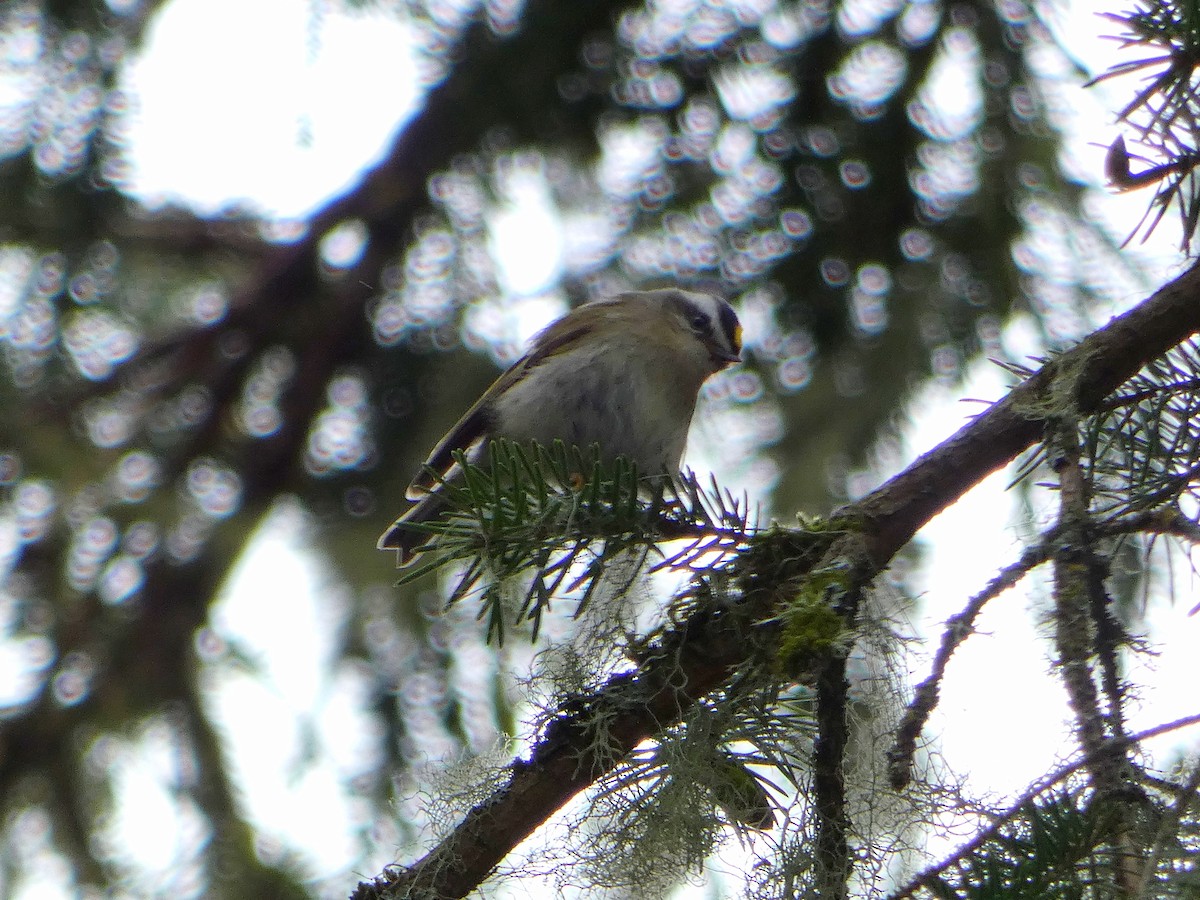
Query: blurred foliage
[[873, 183]]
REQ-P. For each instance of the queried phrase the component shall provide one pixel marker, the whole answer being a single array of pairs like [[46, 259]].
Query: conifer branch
[[934, 878], [1164, 113], [530, 513]]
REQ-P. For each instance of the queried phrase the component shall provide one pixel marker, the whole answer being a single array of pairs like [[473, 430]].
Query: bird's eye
[[700, 321]]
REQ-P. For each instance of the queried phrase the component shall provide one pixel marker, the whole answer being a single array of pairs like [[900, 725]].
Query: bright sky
[[285, 115], [288, 109]]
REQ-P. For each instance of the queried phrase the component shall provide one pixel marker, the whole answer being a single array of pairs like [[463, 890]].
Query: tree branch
[[702, 652], [1088, 372]]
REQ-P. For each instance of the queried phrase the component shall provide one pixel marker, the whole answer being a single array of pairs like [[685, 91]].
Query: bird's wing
[[467, 432], [475, 423]]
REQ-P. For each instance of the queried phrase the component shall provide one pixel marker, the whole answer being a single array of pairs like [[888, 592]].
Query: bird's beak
[[736, 354]]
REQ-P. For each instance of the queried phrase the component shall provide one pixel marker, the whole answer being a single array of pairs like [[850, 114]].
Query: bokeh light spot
[[343, 245], [835, 272], [854, 174], [73, 679], [215, 488]]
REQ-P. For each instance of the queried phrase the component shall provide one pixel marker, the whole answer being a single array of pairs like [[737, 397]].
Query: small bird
[[622, 373]]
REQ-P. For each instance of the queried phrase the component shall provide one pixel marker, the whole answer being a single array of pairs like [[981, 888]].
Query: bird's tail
[[409, 541]]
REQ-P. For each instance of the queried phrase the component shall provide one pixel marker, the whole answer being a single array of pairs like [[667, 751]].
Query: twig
[[1081, 629], [962, 625], [831, 860], [958, 628], [1168, 824], [931, 875]]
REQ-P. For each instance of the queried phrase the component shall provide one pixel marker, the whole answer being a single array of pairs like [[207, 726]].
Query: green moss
[[812, 629]]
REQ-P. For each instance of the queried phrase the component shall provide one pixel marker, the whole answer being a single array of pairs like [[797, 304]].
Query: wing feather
[[476, 424]]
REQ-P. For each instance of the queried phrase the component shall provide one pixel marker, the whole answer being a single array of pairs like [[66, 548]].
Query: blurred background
[[256, 256]]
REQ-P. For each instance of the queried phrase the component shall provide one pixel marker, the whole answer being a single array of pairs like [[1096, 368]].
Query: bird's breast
[[581, 399]]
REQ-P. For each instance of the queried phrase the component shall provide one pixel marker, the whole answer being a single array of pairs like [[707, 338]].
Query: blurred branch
[[706, 648], [391, 195], [131, 24], [451, 122], [287, 285], [236, 859]]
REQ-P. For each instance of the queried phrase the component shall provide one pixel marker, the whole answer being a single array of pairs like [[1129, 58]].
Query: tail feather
[[410, 542]]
